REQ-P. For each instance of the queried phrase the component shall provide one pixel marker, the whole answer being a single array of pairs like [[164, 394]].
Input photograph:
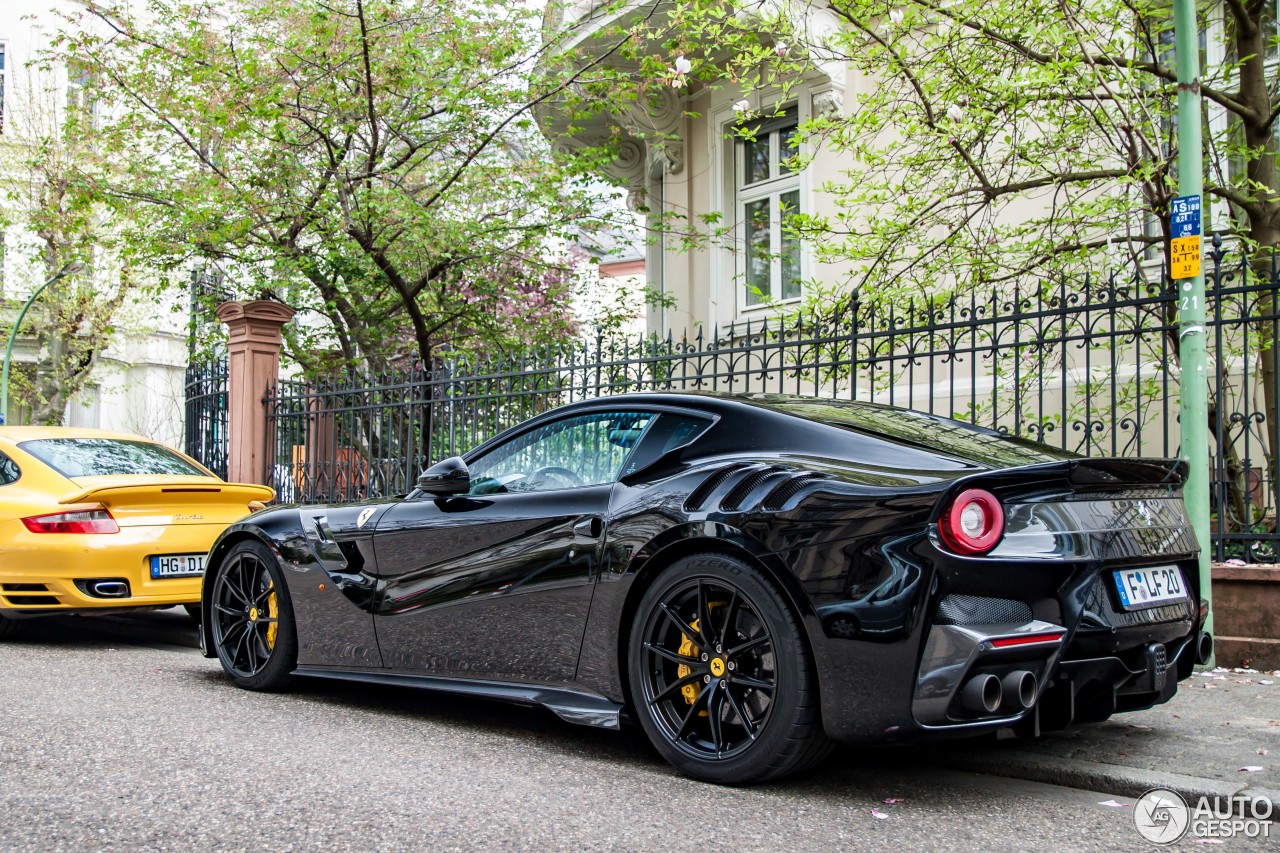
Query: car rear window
[[99, 457], [955, 438]]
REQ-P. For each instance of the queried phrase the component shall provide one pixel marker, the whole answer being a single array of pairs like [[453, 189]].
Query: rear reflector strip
[[1028, 640]]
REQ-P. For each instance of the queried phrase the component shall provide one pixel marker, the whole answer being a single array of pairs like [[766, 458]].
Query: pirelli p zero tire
[[8, 627], [720, 675], [251, 622]]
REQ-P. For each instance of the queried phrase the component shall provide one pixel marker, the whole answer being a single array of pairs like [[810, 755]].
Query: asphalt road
[[116, 735]]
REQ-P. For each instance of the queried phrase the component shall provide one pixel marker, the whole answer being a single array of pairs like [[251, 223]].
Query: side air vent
[[788, 489], [746, 486], [976, 610], [699, 496], [7, 595], [33, 600]]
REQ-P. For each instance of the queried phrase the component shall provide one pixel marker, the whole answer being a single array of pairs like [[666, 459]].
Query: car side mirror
[[447, 477]]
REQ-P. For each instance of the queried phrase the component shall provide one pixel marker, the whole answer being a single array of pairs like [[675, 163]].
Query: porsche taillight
[[82, 521], [972, 523]]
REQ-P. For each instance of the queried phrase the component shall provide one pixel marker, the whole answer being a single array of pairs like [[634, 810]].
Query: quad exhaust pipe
[[1204, 647], [1019, 688], [981, 694], [986, 694]]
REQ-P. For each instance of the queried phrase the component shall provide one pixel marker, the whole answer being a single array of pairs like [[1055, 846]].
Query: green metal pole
[[13, 336], [1193, 381]]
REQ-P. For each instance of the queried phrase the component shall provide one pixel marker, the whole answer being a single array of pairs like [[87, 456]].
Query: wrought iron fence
[[1090, 366], [205, 433]]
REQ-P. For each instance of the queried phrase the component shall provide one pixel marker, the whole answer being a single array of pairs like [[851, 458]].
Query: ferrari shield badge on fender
[[364, 516]]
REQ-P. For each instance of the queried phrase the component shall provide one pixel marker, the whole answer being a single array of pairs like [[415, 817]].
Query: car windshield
[[97, 457]]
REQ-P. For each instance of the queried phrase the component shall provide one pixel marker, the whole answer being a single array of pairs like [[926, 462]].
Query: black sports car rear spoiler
[[1078, 475], [1127, 472]]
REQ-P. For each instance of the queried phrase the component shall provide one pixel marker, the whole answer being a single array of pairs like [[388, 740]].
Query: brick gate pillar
[[253, 363]]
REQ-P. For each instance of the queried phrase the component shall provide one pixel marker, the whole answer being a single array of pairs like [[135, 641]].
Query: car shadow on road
[[848, 771], [171, 627]]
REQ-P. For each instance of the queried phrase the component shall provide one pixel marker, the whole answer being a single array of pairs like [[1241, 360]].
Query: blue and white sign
[[1184, 216]]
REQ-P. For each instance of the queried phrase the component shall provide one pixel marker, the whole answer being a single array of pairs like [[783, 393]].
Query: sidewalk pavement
[[1219, 736]]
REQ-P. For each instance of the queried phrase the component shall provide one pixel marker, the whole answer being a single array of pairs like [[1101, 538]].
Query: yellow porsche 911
[[94, 521]]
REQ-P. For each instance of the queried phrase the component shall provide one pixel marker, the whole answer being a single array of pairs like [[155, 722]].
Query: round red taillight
[[973, 523]]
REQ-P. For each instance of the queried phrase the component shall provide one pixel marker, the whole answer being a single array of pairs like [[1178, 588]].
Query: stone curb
[[1096, 776]]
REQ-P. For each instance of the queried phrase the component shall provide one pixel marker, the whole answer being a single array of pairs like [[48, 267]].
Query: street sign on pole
[[1184, 247], [1184, 256]]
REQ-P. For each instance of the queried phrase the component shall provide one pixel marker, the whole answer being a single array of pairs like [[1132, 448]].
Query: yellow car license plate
[[177, 565]]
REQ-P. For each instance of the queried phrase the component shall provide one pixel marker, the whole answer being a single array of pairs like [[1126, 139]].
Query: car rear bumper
[[1094, 657], [32, 595], [57, 573]]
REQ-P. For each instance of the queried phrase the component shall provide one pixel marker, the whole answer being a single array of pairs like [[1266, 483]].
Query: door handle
[[588, 529]]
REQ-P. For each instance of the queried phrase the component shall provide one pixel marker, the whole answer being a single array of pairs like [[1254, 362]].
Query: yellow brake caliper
[[273, 608], [687, 649]]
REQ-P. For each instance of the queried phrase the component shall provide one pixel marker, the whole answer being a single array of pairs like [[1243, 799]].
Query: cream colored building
[[681, 160], [679, 156], [137, 384], [699, 168]]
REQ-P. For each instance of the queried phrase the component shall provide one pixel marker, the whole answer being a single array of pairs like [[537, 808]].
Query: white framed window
[[82, 96], [1224, 127], [1271, 55], [83, 409], [766, 192], [4, 73]]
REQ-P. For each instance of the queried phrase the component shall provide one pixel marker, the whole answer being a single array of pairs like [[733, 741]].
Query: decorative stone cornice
[[828, 103], [658, 113], [665, 157], [652, 130]]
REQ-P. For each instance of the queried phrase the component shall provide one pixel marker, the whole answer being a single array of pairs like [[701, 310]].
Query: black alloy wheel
[[252, 619], [720, 676]]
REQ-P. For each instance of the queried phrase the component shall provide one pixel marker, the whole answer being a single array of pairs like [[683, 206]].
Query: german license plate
[[177, 566], [1148, 587]]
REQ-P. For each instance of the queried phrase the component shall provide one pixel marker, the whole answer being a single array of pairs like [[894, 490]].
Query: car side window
[[670, 431], [585, 450], [9, 471]]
